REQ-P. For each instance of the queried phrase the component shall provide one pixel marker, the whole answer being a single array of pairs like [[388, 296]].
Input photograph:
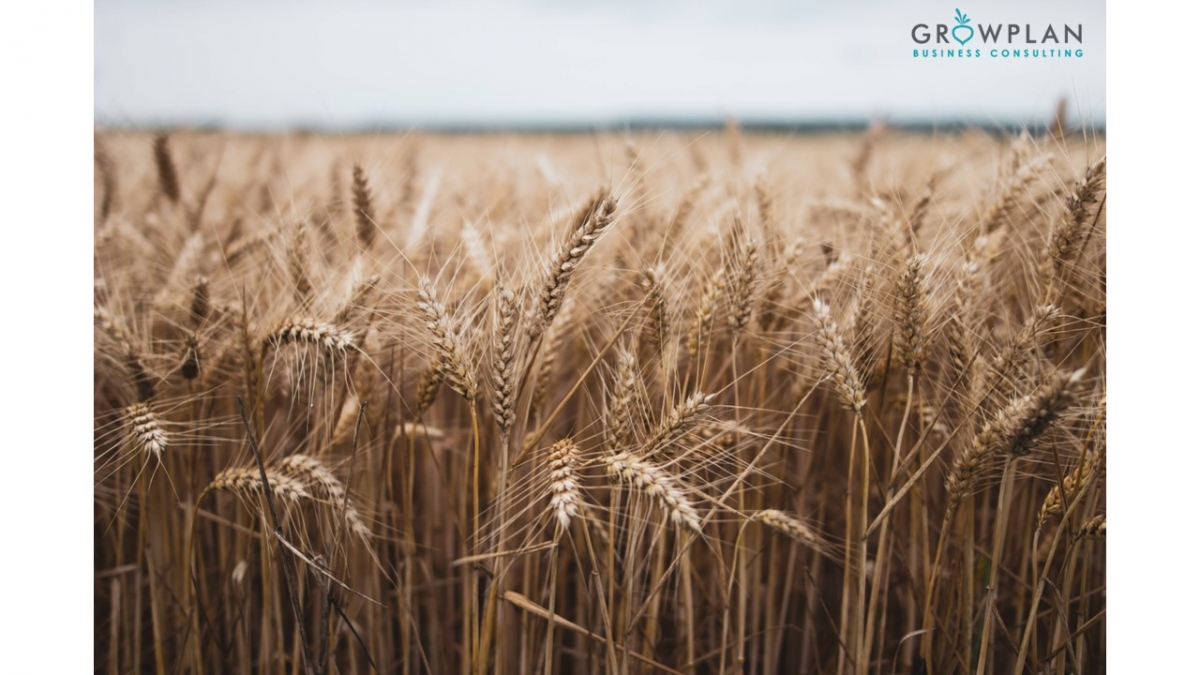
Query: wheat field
[[722, 402]]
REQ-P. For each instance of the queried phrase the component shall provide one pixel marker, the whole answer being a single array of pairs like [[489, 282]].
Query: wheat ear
[[911, 313], [658, 484], [428, 387], [742, 279], [298, 265], [1005, 367], [132, 357], [364, 210], [1014, 431], [201, 305], [311, 472], [790, 526], [563, 466], [168, 179], [504, 351], [189, 366], [679, 421], [248, 481], [447, 342], [146, 435], [1079, 478], [1095, 528], [1066, 240], [307, 330], [562, 265], [621, 407], [960, 336], [108, 178], [658, 328], [706, 312], [998, 211], [357, 301], [839, 366]]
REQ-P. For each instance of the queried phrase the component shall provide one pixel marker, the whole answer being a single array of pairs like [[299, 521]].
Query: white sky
[[340, 65]]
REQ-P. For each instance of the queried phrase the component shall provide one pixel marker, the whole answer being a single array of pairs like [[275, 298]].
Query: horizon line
[[749, 124]]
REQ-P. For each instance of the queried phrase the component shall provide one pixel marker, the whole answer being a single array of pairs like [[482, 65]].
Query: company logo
[[996, 40], [964, 25]]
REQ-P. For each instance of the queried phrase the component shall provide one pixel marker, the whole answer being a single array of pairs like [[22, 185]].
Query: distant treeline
[[762, 126]]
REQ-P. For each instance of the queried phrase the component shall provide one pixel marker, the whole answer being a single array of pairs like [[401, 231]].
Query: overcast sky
[[342, 65]]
